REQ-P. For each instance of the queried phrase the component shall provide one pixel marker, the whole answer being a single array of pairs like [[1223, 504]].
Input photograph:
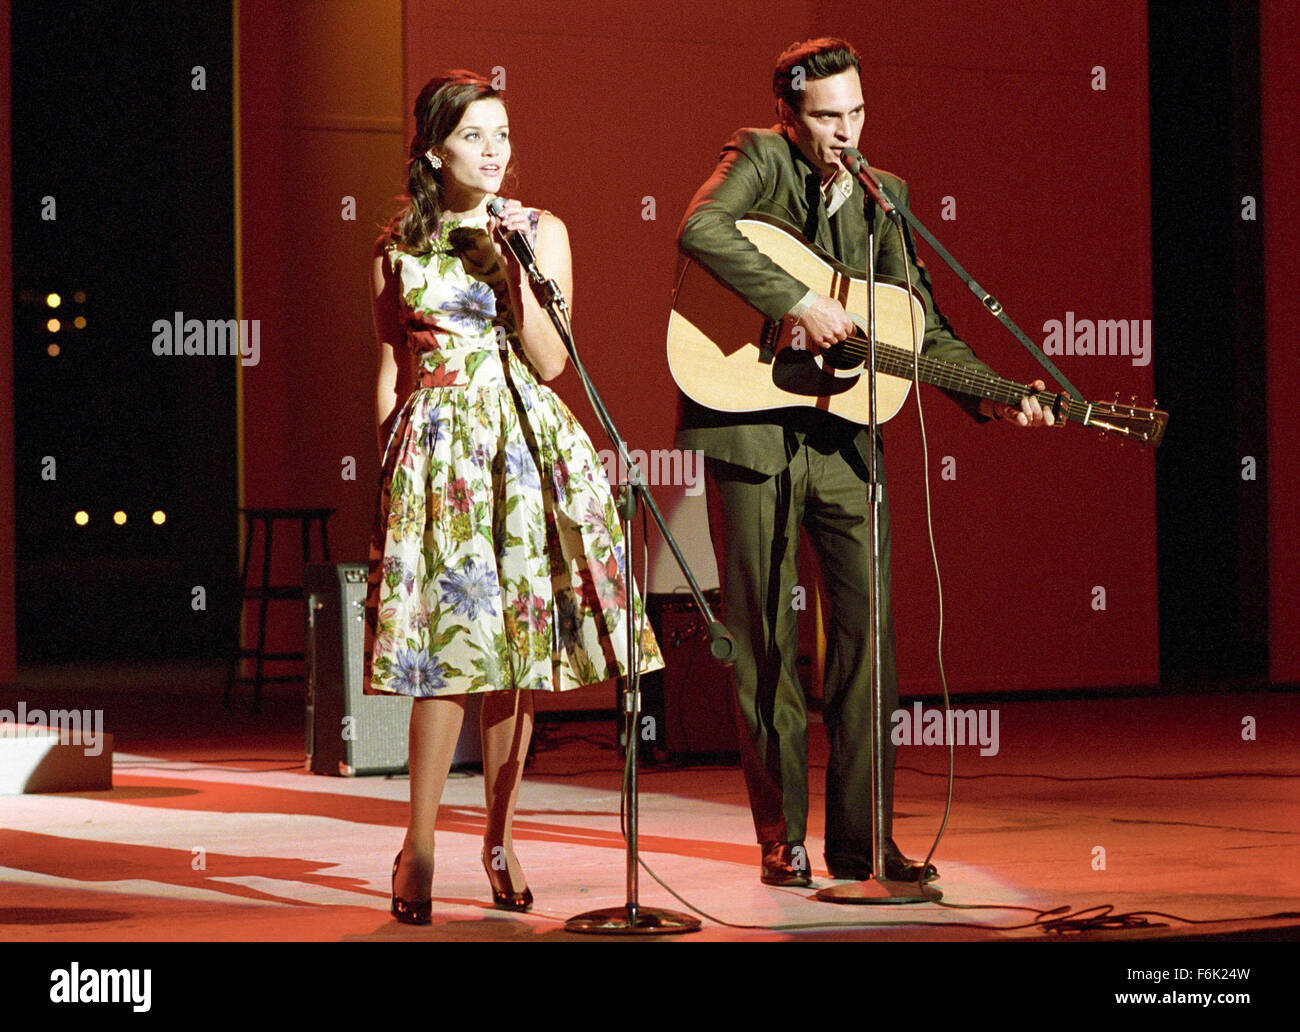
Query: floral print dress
[[496, 556]]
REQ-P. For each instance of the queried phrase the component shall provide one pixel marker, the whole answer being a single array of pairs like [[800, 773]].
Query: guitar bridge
[[767, 342]]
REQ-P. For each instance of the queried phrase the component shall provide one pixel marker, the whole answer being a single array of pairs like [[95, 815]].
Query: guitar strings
[[900, 362], [896, 361]]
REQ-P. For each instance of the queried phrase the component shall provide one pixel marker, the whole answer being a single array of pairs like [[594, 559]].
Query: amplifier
[[348, 732], [691, 697]]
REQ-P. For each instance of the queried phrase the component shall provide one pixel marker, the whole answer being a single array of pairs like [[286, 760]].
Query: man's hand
[[1030, 413], [825, 323]]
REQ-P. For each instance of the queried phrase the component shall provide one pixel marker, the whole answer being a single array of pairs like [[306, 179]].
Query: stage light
[[79, 297], [53, 300], [159, 517], [82, 518], [119, 517], [52, 350], [53, 325], [79, 322]]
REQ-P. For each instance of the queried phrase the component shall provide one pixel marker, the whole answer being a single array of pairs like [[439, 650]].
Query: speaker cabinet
[[350, 733], [691, 697]]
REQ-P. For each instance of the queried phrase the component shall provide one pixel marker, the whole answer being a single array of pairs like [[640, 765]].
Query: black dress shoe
[[409, 911], [785, 863], [897, 867], [900, 868], [519, 902]]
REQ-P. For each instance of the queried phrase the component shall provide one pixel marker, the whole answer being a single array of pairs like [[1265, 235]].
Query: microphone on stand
[[517, 242], [857, 164]]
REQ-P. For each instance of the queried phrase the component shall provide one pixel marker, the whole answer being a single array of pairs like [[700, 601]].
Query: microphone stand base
[[631, 919], [873, 892]]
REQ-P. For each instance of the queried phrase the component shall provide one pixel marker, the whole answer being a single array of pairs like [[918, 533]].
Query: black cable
[[934, 553]]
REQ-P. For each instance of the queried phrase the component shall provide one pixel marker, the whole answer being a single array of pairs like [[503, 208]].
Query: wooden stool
[[266, 592]]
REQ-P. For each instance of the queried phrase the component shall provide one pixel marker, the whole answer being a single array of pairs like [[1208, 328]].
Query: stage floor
[[214, 831]]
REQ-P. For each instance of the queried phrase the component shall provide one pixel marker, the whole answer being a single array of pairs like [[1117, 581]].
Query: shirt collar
[[835, 191]]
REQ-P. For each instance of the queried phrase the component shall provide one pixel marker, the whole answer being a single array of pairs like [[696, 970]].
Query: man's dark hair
[[819, 59]]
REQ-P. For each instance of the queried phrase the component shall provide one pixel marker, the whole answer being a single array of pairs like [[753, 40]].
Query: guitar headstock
[[1128, 421]]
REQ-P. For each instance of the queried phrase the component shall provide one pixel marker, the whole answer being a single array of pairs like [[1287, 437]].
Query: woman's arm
[[541, 341], [393, 382]]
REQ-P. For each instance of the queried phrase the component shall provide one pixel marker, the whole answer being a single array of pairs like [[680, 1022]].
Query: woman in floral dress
[[496, 556]]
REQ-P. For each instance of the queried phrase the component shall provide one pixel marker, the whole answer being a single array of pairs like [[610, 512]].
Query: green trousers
[[754, 521]]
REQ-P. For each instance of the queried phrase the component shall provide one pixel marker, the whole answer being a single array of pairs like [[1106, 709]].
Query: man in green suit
[[772, 472]]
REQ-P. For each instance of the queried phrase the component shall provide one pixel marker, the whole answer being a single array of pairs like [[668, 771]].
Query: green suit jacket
[[762, 171]]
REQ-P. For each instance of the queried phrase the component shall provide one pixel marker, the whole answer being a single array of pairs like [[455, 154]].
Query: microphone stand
[[876, 889], [631, 918], [894, 207]]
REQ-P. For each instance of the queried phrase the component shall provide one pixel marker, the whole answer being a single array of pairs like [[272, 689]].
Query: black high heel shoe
[[409, 911], [519, 902]]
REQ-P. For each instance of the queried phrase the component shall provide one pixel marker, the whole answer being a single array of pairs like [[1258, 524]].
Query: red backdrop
[[8, 636], [990, 105], [1279, 34], [994, 108]]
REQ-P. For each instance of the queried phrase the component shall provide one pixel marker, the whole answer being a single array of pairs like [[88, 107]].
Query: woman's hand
[[514, 219], [540, 341]]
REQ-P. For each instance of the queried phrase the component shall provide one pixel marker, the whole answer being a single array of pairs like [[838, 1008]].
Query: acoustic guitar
[[726, 355]]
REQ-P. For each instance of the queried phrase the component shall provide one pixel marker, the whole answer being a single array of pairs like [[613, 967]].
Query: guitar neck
[[959, 377]]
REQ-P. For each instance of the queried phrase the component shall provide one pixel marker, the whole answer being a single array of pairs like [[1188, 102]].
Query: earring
[[435, 162]]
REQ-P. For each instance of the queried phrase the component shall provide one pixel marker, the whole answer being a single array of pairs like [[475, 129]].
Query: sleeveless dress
[[496, 555]]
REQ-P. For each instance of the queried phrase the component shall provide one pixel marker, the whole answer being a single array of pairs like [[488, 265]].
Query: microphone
[[857, 164], [518, 243]]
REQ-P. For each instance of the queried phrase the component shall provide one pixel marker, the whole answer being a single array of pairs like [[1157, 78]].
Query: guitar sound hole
[[797, 372], [837, 356]]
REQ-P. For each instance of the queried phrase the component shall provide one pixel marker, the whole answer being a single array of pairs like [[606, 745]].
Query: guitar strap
[[986, 299]]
